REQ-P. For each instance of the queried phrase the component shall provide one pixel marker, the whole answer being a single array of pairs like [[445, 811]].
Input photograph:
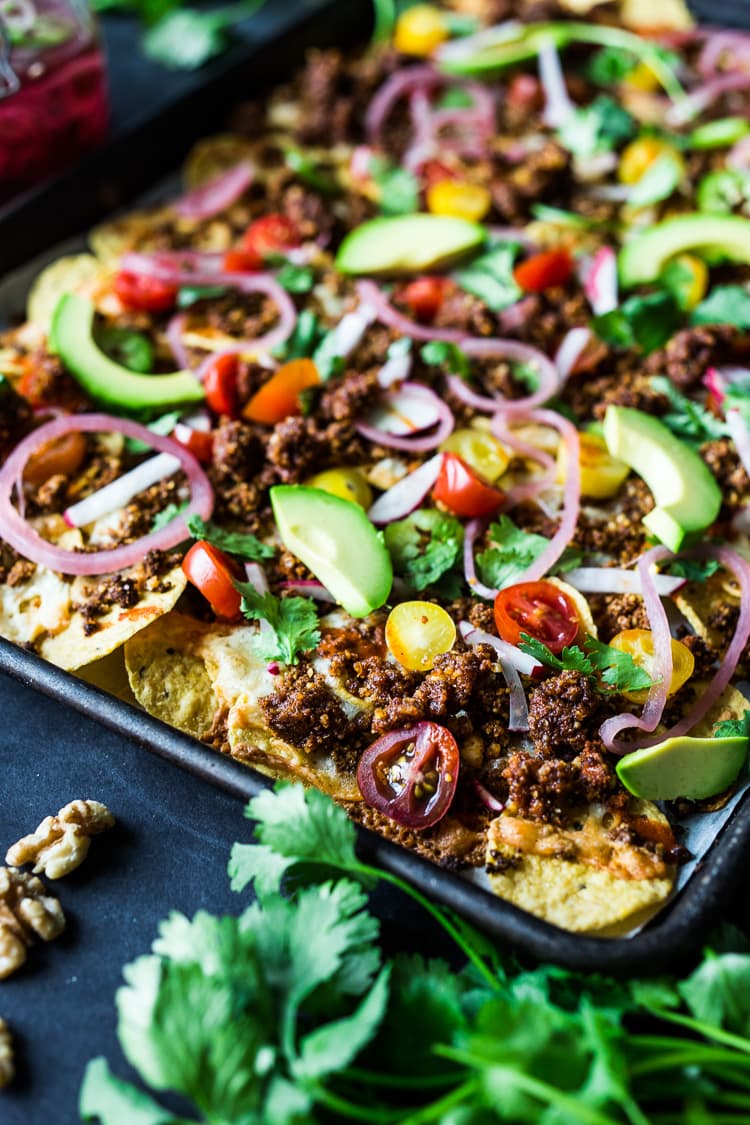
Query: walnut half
[[7, 1061], [25, 911], [61, 843]]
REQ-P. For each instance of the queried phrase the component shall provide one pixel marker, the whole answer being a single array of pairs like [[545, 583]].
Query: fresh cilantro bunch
[[596, 660], [286, 1015], [289, 626], [241, 543]]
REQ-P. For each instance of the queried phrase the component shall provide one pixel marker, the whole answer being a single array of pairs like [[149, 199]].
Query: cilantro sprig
[[511, 553], [242, 543], [288, 1014], [425, 548], [291, 624], [616, 669]]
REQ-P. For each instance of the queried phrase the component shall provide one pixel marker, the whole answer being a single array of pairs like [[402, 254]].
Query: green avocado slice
[[408, 244], [687, 496], [107, 381], [337, 542], [683, 767], [643, 258]]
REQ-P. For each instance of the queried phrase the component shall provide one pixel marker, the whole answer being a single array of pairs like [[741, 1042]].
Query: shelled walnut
[[61, 842], [25, 911], [7, 1060]]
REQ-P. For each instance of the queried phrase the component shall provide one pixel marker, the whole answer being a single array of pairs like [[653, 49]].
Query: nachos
[[406, 452]]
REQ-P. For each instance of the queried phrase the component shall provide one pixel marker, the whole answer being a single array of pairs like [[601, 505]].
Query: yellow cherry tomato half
[[640, 154], [642, 77], [420, 30], [481, 452], [347, 484], [458, 198], [601, 474], [418, 632], [691, 279], [639, 643]]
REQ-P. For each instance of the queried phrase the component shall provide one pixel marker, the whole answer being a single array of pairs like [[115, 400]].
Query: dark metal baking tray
[[113, 177]]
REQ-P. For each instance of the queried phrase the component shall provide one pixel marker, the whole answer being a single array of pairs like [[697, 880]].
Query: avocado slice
[[683, 767], [337, 542], [107, 381], [643, 258], [686, 493], [408, 244]]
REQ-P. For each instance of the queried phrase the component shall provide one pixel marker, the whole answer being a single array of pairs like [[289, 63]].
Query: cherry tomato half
[[425, 296], [464, 493], [143, 293], [197, 442], [540, 609], [237, 261], [279, 397], [213, 573], [411, 775], [62, 456], [542, 271], [220, 385], [272, 234]]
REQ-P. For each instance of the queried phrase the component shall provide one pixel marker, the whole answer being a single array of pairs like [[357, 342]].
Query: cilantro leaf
[[490, 277], [617, 669], [128, 348], [511, 554], [291, 624], [295, 279], [425, 547], [687, 419], [166, 515], [310, 172], [164, 425], [599, 127], [438, 353], [694, 570], [398, 189], [235, 542], [733, 728], [186, 39], [112, 1101], [307, 334], [609, 65], [725, 304], [190, 294], [718, 992], [571, 658], [644, 322]]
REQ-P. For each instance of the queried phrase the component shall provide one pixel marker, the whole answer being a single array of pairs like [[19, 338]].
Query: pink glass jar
[[53, 89]]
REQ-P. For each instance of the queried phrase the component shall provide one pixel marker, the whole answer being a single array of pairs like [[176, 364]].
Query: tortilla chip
[[189, 674], [76, 273], [110, 675], [214, 155], [697, 601], [607, 887]]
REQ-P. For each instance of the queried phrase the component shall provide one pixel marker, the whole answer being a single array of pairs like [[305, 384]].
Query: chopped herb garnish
[[490, 277], [596, 660], [424, 549], [163, 425], [725, 304], [397, 187], [310, 172], [644, 322], [242, 543], [303, 341], [293, 624], [126, 347], [450, 356], [733, 728], [511, 553], [694, 570], [599, 127], [191, 294], [166, 515], [687, 418], [295, 279]]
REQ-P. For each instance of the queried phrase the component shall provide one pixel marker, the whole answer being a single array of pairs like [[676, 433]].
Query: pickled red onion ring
[[438, 414], [370, 294], [174, 333], [16, 531], [653, 708], [512, 655], [216, 194], [512, 350], [530, 489], [472, 530], [689, 107]]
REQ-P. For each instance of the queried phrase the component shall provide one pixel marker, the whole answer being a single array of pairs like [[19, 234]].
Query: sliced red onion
[[348, 333], [558, 107], [509, 654], [309, 588], [515, 316], [653, 708], [717, 43], [530, 489], [689, 107], [571, 348], [121, 491], [716, 384], [152, 266], [256, 576], [615, 580], [175, 333], [16, 532], [395, 370], [740, 435], [160, 263], [218, 193], [515, 352], [465, 46], [600, 281], [400, 83], [518, 716], [406, 496], [486, 797], [443, 420], [739, 155], [388, 315], [472, 531], [741, 570]]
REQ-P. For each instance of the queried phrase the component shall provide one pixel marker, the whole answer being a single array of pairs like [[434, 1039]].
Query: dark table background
[[171, 844]]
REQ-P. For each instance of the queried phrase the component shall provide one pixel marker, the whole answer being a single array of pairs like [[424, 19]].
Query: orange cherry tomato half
[[272, 234], [279, 397], [462, 491], [62, 456], [426, 295], [213, 573], [411, 775], [540, 609], [143, 293], [220, 385], [197, 442], [237, 261], [542, 271]]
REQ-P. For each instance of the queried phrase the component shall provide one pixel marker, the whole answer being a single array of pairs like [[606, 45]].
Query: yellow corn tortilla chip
[[583, 881], [213, 155], [189, 674], [77, 273]]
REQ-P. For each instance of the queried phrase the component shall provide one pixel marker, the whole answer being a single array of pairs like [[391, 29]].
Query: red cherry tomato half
[[411, 775], [237, 261], [426, 295], [143, 293], [197, 442], [434, 171], [220, 385], [213, 573], [542, 271], [540, 609], [61, 456], [273, 234], [462, 492]]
